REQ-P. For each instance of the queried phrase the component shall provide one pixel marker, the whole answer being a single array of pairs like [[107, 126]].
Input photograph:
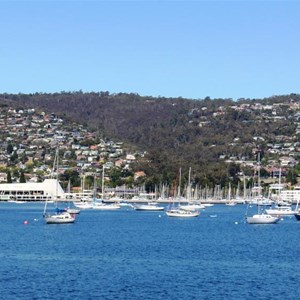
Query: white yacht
[[281, 211], [181, 213], [192, 207], [73, 210], [60, 218], [151, 206], [83, 205], [99, 205], [262, 219]]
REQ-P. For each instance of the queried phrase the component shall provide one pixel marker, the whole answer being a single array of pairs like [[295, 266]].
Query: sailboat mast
[[189, 185], [103, 182], [179, 193]]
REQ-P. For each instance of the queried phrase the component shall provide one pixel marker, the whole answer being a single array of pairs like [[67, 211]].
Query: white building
[[292, 196], [49, 189]]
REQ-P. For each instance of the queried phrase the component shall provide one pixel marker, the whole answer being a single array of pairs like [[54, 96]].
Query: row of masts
[[191, 192]]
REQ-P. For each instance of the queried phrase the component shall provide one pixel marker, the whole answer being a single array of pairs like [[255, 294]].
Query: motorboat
[[281, 211], [231, 203], [262, 219], [71, 210], [151, 206], [181, 213], [105, 206], [192, 207], [83, 205]]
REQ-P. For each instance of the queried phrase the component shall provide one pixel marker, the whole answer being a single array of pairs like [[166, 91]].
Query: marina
[[128, 253]]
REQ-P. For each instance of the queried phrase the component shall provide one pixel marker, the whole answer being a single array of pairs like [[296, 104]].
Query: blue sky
[[192, 49]]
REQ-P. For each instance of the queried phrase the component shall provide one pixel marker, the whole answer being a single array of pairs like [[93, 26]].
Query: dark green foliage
[[176, 132], [22, 177], [291, 176], [9, 179], [10, 148], [14, 157], [72, 176]]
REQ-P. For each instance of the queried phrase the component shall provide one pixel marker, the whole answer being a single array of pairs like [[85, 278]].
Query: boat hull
[[182, 213], [148, 208], [192, 207], [297, 216], [64, 218], [278, 212], [262, 219], [73, 211], [83, 205], [106, 207]]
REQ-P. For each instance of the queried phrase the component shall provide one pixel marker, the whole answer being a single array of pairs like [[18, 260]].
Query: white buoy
[[236, 223]]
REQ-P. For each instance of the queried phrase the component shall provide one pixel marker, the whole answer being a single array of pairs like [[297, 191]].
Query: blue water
[[127, 254]]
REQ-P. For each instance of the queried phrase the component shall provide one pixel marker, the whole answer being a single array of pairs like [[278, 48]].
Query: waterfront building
[[291, 196], [49, 189]]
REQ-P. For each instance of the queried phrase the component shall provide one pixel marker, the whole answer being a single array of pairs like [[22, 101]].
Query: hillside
[[202, 134]]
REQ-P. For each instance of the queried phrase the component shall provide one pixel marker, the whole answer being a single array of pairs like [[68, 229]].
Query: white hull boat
[[61, 218], [192, 207], [73, 211], [231, 203], [83, 205], [262, 219], [181, 213], [148, 207], [106, 206], [280, 211]]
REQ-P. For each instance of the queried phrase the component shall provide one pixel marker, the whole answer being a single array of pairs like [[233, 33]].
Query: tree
[[291, 177], [10, 148], [115, 177], [14, 156], [73, 176], [22, 177], [9, 180]]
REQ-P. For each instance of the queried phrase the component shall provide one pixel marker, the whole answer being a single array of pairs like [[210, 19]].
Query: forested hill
[[176, 132]]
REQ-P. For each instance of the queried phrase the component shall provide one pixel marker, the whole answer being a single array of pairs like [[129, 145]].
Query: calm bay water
[[127, 254]]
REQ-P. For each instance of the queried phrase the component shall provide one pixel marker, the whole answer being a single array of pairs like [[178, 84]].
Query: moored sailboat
[[60, 217], [178, 211], [261, 218], [98, 204]]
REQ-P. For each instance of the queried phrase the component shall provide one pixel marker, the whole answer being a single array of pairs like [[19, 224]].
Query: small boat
[[100, 204], [281, 211], [105, 206], [72, 210], [151, 206], [181, 213], [231, 203], [262, 219], [83, 205], [192, 207], [59, 218], [177, 211]]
